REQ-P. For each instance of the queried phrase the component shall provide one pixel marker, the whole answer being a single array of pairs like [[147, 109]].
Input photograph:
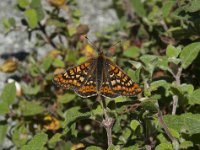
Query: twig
[[175, 97], [107, 122], [42, 28], [160, 118]]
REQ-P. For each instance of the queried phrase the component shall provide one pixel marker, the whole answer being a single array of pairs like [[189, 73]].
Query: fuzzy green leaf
[[9, 93], [74, 113], [23, 3], [30, 108], [134, 124], [93, 148], [66, 98], [31, 17], [20, 135], [138, 7], [188, 123], [172, 51], [37, 6], [3, 131], [37, 142], [47, 63], [30, 90], [194, 98], [164, 146], [189, 53], [132, 52], [167, 6]]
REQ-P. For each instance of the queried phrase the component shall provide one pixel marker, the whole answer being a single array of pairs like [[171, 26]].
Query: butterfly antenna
[[112, 46], [92, 44]]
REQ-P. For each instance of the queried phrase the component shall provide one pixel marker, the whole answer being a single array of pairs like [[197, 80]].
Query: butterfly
[[98, 76]]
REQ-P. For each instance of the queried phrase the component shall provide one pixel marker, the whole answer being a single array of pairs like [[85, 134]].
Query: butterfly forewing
[[120, 82], [75, 77], [89, 88], [105, 89]]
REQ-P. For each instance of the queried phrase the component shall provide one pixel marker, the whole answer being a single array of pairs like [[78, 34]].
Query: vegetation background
[[159, 49]]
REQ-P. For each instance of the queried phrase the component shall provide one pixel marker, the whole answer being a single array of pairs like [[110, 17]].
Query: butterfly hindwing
[[75, 77], [89, 88], [120, 82], [105, 89]]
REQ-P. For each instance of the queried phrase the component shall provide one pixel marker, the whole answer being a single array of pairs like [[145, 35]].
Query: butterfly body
[[98, 76]]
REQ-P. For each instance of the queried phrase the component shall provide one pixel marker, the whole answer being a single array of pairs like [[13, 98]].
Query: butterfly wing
[[119, 82], [89, 88], [105, 89], [75, 77]]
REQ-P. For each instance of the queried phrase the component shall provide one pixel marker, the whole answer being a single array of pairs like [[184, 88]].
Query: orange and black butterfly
[[98, 76]]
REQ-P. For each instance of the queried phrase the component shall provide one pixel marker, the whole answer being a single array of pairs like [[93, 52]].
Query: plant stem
[[160, 118], [107, 122], [49, 40], [175, 97]]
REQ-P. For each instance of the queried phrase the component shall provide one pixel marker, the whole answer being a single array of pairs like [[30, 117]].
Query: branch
[[107, 121], [160, 118], [49, 40], [175, 97]]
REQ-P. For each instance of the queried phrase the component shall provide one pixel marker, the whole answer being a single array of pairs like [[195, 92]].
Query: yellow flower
[[51, 123]]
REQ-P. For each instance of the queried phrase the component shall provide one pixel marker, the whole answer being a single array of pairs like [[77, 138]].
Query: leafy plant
[[159, 49]]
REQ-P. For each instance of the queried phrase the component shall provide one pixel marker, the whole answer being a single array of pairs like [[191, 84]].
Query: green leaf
[[29, 89], [186, 145], [193, 6], [8, 23], [37, 6], [37, 142], [149, 59], [4, 108], [93, 148], [20, 135], [58, 63], [134, 74], [74, 114], [138, 7], [132, 52], [167, 7], [71, 56], [187, 123], [150, 104], [31, 16], [162, 138], [46, 64], [172, 51], [3, 131], [174, 133], [54, 22], [54, 140], [194, 98], [134, 147], [71, 30], [114, 147], [9, 93], [164, 146], [189, 53], [23, 3], [66, 98], [160, 83], [150, 62], [134, 124], [30, 108], [186, 88], [163, 63]]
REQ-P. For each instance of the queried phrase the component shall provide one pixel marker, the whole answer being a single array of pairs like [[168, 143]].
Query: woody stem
[[107, 122]]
